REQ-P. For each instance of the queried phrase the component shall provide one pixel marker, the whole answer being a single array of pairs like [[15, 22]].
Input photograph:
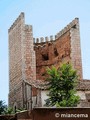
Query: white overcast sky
[[47, 17]]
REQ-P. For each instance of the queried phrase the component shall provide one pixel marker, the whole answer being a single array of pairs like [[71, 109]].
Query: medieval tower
[[29, 57], [21, 60]]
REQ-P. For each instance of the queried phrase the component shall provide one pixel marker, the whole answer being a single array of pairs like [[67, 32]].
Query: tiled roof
[[41, 84], [88, 96], [84, 85]]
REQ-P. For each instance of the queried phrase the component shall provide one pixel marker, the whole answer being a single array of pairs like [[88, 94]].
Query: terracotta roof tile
[[40, 84], [84, 85]]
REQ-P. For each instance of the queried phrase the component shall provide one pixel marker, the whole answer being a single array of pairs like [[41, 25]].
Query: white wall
[[33, 101], [82, 95], [44, 96], [45, 92]]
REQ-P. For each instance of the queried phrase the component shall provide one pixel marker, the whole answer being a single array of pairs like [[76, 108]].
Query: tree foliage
[[7, 110], [62, 86], [2, 106]]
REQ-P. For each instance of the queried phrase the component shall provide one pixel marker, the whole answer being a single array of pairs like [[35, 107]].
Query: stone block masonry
[[76, 48], [22, 64], [29, 54], [16, 62]]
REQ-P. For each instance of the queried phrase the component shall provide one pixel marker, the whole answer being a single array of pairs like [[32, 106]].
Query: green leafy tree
[[2, 106], [8, 111], [62, 86]]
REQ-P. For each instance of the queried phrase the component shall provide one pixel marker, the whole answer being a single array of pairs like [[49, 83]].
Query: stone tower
[[22, 66], [28, 60]]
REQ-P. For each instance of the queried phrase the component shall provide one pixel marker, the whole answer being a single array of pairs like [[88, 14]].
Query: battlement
[[72, 24], [43, 40], [28, 27], [21, 16]]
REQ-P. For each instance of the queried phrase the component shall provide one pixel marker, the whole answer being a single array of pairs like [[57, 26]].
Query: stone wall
[[22, 65], [15, 61], [29, 55], [76, 48]]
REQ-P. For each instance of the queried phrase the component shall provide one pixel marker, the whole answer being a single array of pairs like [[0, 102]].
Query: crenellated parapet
[[72, 24], [28, 27], [21, 16], [43, 40]]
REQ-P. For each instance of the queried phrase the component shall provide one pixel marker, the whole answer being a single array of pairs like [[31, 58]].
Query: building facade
[[29, 57]]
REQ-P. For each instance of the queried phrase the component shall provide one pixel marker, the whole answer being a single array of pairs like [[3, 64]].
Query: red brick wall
[[65, 48], [58, 51]]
